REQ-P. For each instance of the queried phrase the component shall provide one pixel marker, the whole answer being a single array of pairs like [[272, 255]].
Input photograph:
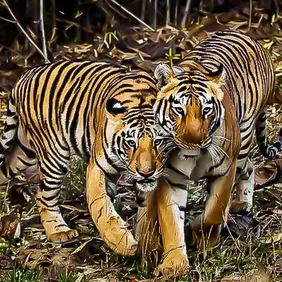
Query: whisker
[[211, 154], [221, 137], [220, 150], [166, 149]]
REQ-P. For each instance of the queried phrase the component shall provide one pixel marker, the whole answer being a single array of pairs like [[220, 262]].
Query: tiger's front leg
[[244, 190], [171, 203], [207, 226], [110, 225], [147, 227]]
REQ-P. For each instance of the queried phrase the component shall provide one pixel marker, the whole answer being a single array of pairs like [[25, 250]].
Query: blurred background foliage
[[78, 21], [137, 33]]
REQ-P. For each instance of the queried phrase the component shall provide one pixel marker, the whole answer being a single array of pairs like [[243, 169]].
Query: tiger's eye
[[206, 110], [131, 143]]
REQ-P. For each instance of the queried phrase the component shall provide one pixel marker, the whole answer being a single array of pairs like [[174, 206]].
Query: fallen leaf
[[268, 172], [82, 246]]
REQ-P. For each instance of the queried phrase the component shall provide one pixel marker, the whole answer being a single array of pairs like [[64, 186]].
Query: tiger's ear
[[216, 75], [164, 74], [177, 70], [216, 78], [114, 107]]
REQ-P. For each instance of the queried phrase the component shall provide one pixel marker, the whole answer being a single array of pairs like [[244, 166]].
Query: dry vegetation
[[250, 247]]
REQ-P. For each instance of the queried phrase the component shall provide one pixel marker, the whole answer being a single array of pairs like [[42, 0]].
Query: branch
[[7, 20], [143, 7], [130, 14], [176, 12], [23, 31], [250, 16], [186, 12], [167, 18], [43, 32], [155, 14]]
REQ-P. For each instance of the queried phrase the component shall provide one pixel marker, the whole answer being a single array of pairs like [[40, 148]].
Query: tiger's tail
[[10, 131], [267, 151]]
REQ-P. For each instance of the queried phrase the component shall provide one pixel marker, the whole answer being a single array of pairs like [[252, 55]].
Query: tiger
[[210, 105], [101, 113]]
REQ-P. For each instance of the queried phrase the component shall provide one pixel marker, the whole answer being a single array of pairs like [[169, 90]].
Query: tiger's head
[[136, 146], [189, 104]]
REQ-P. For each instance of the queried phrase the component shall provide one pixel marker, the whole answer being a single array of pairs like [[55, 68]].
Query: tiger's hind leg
[[244, 189], [19, 166], [267, 151], [47, 201], [53, 167]]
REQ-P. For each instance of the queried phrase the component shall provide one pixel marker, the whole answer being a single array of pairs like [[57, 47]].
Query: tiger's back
[[249, 72], [63, 118]]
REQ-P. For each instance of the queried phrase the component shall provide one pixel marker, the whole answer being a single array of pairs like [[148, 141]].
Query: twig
[[43, 33], [176, 12], [155, 9], [130, 14], [250, 16], [186, 12], [167, 20], [143, 3], [277, 9], [23, 31], [7, 20], [52, 40]]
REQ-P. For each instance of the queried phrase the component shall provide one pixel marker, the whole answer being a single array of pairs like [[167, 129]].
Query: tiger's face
[[136, 146], [144, 154], [189, 106]]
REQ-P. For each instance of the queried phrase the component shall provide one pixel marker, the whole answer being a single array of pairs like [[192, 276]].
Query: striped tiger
[[210, 105], [101, 113]]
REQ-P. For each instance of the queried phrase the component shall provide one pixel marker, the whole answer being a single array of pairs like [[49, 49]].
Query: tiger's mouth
[[191, 150], [147, 185], [186, 154]]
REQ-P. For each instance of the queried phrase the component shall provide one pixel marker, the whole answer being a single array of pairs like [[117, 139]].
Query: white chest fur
[[192, 164], [197, 164]]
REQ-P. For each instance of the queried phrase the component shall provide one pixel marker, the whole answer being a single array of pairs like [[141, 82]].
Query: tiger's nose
[[146, 172]]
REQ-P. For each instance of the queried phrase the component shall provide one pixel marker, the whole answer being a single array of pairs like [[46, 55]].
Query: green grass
[[18, 275], [36, 275], [243, 255]]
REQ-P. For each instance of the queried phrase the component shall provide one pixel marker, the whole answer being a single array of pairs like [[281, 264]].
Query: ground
[[250, 246]]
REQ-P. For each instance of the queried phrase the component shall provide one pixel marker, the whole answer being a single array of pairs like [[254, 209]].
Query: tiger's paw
[[63, 236], [118, 237], [240, 207], [175, 264]]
